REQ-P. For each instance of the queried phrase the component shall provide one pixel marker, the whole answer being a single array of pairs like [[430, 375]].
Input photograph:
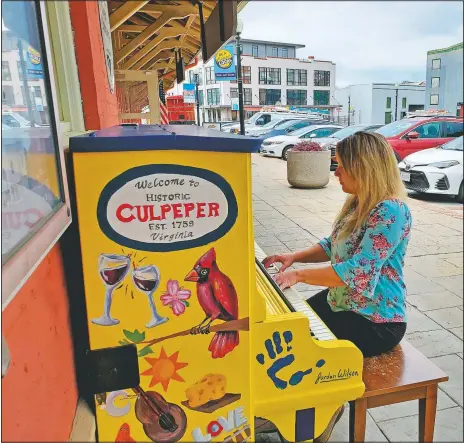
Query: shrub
[[307, 146]]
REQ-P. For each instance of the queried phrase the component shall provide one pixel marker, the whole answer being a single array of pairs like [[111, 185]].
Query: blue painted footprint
[[275, 349]]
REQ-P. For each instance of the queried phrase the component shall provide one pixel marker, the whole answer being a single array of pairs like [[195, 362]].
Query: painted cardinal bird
[[218, 298], [124, 434]]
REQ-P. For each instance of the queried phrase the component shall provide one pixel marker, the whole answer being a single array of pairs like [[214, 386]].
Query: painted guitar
[[162, 422]]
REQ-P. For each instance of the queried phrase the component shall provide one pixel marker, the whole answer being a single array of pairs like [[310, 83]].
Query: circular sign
[[224, 59], [162, 208]]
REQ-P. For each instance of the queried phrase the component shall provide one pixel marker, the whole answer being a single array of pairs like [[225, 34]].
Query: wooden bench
[[403, 374]]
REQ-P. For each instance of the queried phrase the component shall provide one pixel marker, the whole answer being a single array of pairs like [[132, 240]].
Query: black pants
[[371, 338]]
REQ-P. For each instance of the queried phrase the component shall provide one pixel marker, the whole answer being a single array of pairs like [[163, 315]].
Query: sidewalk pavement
[[288, 219]]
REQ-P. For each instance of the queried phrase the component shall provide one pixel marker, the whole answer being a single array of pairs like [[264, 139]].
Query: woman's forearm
[[320, 276], [314, 254]]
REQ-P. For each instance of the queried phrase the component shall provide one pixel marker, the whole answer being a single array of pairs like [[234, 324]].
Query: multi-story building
[[444, 79], [272, 75], [13, 93], [379, 103]]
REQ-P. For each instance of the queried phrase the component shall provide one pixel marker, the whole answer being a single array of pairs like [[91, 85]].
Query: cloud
[[368, 41]]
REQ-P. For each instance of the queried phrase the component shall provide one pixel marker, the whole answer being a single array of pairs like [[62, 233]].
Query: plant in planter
[[308, 165]]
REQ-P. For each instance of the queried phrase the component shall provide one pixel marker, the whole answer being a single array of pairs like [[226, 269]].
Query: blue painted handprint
[[275, 349]]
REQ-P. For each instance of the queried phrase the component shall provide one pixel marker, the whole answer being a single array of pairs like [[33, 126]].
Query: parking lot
[[288, 219]]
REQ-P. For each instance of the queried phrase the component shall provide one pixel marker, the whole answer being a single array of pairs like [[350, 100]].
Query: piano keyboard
[[318, 329]]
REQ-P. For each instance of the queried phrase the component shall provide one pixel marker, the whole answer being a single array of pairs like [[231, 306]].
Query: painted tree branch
[[234, 325]]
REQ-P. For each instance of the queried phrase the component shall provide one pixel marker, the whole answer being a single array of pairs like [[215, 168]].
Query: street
[[288, 219]]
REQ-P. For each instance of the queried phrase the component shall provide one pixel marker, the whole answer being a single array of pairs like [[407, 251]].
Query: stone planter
[[308, 169]]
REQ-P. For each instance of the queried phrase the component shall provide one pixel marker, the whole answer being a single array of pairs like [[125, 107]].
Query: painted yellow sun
[[164, 369]]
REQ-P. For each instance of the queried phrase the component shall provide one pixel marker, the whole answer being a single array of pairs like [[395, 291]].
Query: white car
[[436, 170], [280, 145]]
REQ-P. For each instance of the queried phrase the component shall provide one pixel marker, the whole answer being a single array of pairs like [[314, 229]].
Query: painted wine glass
[[112, 268], [147, 279]]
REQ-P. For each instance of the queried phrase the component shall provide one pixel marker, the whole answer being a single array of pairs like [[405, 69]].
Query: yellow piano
[[302, 372], [188, 341]]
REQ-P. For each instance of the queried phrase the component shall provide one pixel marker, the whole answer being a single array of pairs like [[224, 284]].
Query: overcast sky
[[368, 41]]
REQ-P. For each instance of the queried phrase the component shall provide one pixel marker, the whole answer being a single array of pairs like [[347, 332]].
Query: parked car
[[280, 145], [285, 127], [260, 119], [14, 120], [415, 134], [331, 141], [436, 170], [260, 130]]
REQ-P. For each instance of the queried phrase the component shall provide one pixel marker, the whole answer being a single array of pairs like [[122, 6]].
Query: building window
[[6, 74], [321, 97], [388, 117], [213, 96], [275, 52], [389, 103], [32, 180], [269, 96], [254, 50], [210, 79], [297, 77], [284, 52], [321, 78], [233, 92], [403, 103], [247, 96], [436, 63], [434, 99], [8, 97], [192, 75], [269, 76], [435, 82], [297, 96], [246, 75], [200, 97]]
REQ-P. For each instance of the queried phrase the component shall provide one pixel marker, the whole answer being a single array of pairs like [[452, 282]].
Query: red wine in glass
[[146, 279], [112, 268]]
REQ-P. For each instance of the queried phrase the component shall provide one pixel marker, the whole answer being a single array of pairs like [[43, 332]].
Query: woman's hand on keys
[[285, 259]]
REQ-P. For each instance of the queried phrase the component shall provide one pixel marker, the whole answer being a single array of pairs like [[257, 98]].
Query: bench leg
[[427, 411], [358, 412]]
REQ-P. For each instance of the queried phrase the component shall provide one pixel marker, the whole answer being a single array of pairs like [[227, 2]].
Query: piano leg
[[358, 412]]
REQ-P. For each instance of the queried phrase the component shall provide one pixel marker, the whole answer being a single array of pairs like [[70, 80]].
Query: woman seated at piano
[[365, 299]]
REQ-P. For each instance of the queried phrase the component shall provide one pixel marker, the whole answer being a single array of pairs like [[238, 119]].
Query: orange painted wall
[[100, 105], [39, 394]]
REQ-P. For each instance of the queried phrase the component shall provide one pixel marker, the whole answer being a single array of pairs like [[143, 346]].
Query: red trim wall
[[39, 394], [100, 105]]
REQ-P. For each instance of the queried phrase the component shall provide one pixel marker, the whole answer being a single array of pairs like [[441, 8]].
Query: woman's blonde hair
[[370, 161]]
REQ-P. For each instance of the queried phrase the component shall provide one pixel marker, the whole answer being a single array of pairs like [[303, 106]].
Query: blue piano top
[[162, 137]]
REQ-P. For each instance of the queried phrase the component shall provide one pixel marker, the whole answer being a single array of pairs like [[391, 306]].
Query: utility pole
[[197, 98], [239, 80], [349, 109]]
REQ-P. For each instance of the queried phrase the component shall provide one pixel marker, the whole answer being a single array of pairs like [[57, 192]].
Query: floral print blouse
[[370, 262]]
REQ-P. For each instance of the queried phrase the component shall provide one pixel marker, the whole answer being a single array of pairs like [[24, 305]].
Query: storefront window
[[32, 188]]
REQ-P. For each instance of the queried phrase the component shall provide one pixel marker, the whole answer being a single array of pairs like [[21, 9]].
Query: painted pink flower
[[176, 297]]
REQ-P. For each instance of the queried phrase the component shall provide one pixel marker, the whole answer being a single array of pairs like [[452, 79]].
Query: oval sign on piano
[[164, 208]]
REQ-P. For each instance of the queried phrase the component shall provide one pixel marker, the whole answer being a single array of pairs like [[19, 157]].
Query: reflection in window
[[31, 185], [321, 97], [247, 96], [269, 96], [296, 96]]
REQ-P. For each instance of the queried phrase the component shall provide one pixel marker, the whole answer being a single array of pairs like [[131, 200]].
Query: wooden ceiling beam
[[165, 33], [125, 11], [149, 31]]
